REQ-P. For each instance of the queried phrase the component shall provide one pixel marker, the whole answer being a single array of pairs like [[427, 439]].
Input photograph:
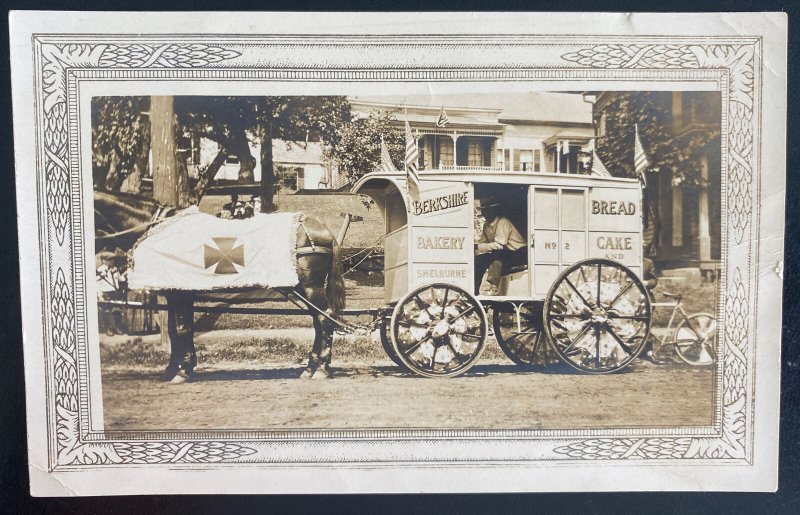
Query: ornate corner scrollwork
[[57, 59]]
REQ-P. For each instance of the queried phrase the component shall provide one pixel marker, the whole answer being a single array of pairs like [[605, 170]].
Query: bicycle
[[693, 340]]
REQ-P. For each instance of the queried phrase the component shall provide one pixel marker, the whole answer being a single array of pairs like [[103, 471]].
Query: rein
[[161, 213], [126, 231]]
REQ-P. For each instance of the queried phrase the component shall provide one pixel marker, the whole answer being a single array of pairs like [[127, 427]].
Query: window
[[537, 160], [474, 153], [445, 152], [287, 178], [601, 125], [526, 159]]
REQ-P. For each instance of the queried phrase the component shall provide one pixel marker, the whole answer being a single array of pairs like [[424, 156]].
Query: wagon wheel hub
[[440, 329], [599, 316]]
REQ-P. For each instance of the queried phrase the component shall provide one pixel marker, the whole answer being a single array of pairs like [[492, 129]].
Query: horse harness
[[311, 248]]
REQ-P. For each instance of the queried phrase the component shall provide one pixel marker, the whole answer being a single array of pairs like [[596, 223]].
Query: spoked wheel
[[522, 340], [597, 316], [386, 342], [695, 339], [438, 330]]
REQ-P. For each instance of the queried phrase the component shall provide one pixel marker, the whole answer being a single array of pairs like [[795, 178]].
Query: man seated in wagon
[[500, 245]]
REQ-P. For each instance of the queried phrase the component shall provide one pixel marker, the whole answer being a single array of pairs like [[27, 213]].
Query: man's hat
[[489, 202]]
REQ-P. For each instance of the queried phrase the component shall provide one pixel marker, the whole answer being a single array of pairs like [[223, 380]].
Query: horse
[[121, 219]]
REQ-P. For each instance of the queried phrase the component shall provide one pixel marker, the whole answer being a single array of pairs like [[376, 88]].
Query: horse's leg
[[313, 356], [323, 331], [326, 355], [180, 327]]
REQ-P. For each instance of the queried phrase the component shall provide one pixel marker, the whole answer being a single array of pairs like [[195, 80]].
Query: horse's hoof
[[321, 373], [181, 377], [169, 374], [307, 374]]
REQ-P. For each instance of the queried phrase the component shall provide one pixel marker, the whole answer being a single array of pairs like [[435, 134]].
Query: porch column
[[677, 213], [558, 158], [704, 239], [511, 159], [455, 151]]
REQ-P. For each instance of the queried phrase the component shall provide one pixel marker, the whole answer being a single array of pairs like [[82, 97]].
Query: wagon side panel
[[441, 244]]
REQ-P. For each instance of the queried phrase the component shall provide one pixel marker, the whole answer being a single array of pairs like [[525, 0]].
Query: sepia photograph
[[526, 242], [545, 257]]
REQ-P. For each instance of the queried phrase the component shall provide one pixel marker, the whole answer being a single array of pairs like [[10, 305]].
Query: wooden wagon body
[[570, 222]]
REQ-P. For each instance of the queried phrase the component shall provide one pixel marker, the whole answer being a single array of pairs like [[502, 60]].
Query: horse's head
[[120, 218]]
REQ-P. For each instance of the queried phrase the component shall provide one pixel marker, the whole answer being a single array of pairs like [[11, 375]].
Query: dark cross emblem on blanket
[[224, 256]]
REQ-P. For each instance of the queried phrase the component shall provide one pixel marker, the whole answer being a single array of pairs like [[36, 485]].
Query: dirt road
[[493, 395]]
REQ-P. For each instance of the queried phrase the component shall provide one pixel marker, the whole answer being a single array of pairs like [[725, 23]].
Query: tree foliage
[[235, 122], [358, 150], [121, 132], [120, 139], [666, 151]]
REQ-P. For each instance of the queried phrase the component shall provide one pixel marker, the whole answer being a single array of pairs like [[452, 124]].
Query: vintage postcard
[[453, 252]]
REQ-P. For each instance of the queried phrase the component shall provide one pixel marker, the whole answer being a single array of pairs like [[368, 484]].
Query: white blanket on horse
[[198, 251]]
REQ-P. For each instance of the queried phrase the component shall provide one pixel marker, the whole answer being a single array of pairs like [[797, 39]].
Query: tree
[[652, 112], [236, 122], [668, 152], [170, 176], [120, 142], [358, 150]]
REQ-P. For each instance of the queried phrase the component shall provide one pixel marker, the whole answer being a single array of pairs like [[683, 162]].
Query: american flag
[[443, 119], [387, 166], [640, 161], [598, 168], [412, 155]]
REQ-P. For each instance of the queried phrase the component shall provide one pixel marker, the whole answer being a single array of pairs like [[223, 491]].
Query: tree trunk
[[239, 146], [209, 173], [112, 180], [267, 170], [133, 182], [169, 188]]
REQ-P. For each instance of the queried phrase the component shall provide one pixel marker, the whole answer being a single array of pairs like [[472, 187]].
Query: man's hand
[[488, 247]]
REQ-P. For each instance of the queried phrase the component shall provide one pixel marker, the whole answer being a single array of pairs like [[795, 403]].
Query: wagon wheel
[[439, 330], [386, 342], [695, 339], [525, 344], [597, 316]]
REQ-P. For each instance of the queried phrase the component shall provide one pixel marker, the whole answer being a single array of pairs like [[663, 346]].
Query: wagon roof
[[494, 177]]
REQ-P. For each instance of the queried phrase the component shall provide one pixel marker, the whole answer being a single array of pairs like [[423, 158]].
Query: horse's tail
[[334, 289]]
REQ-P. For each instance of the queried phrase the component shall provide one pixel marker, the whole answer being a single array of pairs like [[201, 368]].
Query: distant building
[[681, 137], [298, 165], [525, 132]]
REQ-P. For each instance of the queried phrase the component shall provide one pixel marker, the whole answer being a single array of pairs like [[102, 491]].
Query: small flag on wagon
[[640, 161], [598, 168], [387, 166], [443, 119], [412, 155]]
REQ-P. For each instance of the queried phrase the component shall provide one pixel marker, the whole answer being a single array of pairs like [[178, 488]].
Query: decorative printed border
[[59, 59]]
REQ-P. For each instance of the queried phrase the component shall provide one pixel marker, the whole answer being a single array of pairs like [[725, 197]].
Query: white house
[[526, 132], [298, 165]]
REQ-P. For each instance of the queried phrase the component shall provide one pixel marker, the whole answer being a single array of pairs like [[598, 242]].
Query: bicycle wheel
[[695, 339]]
